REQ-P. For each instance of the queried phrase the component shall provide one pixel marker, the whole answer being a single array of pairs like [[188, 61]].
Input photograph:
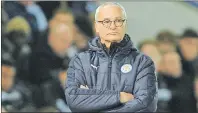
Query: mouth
[[113, 33]]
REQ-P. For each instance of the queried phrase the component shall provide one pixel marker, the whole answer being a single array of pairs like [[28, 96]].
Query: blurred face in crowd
[[152, 51], [60, 38], [66, 18], [8, 74], [110, 24], [189, 48], [166, 46], [171, 64]]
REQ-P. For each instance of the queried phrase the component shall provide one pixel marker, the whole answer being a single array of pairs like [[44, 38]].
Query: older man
[[112, 76]]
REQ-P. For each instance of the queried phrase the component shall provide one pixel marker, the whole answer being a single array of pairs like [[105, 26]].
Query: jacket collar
[[123, 46]]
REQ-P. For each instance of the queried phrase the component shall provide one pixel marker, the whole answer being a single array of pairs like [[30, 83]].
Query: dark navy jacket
[[122, 69]]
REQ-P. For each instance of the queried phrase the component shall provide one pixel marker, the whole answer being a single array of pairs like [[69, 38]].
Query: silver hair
[[112, 4]]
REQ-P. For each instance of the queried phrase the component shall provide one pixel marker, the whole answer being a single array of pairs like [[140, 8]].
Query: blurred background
[[39, 38]]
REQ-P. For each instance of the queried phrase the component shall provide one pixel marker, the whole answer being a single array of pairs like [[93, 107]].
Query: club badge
[[126, 68]]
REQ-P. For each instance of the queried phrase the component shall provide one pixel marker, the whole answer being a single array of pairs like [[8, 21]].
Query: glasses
[[117, 23]]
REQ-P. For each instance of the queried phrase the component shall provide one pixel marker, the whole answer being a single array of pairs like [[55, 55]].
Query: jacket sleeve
[[145, 90], [80, 99]]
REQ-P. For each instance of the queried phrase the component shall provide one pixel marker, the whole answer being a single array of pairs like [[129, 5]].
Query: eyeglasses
[[117, 23]]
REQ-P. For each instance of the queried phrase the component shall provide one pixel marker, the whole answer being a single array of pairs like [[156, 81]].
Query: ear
[[96, 27]]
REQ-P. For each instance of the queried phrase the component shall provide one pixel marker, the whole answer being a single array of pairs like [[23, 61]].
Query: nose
[[112, 25]]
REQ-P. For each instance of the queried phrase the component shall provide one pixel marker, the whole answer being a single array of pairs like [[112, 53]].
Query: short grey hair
[[112, 4]]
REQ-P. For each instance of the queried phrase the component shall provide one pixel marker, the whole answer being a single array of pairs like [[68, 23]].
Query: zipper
[[109, 71]]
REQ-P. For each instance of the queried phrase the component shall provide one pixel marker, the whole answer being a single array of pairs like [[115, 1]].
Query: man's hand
[[125, 97], [84, 87]]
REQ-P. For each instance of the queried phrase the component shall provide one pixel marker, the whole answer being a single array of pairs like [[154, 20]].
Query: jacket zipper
[[109, 71]]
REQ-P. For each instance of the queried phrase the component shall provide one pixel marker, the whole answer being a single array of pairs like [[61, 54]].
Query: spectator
[[64, 16], [18, 8], [15, 96], [178, 82], [188, 48], [48, 59], [166, 41], [149, 47], [17, 31]]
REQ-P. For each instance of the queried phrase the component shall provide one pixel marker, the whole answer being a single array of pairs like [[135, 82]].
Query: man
[[188, 49], [176, 81], [150, 48], [48, 59], [15, 96], [112, 76], [18, 8]]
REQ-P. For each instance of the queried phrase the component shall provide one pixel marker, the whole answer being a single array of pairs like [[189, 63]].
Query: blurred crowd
[[176, 61], [39, 38]]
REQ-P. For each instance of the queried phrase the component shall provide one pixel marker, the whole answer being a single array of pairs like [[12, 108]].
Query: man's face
[[172, 64], [189, 48], [107, 29], [60, 38], [66, 18], [8, 74]]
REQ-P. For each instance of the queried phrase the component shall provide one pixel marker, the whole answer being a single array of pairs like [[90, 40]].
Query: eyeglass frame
[[123, 20]]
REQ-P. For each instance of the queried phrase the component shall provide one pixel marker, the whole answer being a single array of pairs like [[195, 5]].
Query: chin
[[113, 38]]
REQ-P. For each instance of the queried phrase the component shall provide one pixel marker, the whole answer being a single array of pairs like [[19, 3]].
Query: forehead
[[110, 12], [64, 17]]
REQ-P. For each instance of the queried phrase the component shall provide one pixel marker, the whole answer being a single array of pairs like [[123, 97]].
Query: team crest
[[126, 68]]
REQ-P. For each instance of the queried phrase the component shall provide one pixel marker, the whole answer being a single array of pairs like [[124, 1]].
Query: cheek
[[103, 32]]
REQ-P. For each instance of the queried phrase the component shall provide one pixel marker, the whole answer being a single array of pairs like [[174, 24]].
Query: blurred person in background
[[15, 97], [178, 82], [49, 58], [166, 41], [17, 33], [150, 48], [18, 8], [188, 49]]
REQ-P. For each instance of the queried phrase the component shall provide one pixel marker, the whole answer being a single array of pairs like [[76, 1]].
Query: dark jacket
[[44, 68], [104, 74], [44, 62], [182, 92]]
